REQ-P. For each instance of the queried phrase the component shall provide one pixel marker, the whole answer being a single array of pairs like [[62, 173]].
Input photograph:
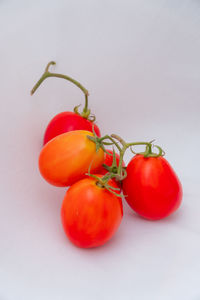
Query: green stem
[[48, 74], [119, 170], [123, 150], [117, 137], [137, 143], [112, 140], [38, 83], [86, 103], [49, 64]]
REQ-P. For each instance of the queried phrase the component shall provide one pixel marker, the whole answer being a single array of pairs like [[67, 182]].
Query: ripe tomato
[[151, 187], [66, 158], [90, 214], [68, 121]]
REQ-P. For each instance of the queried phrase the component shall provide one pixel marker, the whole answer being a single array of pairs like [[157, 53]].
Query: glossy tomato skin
[[151, 187], [68, 121], [66, 158], [90, 214]]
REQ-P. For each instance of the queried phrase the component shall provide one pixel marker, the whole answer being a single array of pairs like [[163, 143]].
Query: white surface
[[140, 61]]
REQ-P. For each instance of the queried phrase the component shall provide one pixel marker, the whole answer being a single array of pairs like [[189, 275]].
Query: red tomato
[[68, 121], [151, 187], [66, 158], [90, 214]]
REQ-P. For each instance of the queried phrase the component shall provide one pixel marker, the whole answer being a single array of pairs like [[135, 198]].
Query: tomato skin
[[66, 158], [68, 121], [151, 187], [90, 214]]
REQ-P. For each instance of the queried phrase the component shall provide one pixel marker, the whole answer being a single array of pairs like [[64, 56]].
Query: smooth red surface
[[68, 121], [151, 187], [90, 214]]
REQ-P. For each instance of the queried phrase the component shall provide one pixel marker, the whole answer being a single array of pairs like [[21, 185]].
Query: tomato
[[68, 121], [90, 214], [66, 158], [151, 187]]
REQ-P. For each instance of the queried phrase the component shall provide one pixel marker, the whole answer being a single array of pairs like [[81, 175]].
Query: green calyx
[[98, 141], [102, 182], [149, 152], [86, 113]]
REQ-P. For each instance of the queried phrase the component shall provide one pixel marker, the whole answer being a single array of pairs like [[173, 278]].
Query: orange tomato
[[66, 158], [90, 214]]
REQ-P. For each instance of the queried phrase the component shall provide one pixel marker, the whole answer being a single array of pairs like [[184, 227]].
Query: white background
[[140, 60]]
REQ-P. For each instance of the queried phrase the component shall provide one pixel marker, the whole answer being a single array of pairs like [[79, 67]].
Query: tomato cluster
[[75, 155]]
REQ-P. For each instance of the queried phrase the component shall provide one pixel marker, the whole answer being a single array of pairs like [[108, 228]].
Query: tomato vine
[[119, 172], [86, 113]]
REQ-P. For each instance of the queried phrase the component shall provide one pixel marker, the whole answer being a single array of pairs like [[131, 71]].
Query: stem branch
[[47, 74], [112, 140]]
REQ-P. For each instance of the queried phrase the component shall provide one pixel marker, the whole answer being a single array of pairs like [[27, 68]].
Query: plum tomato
[[90, 214], [66, 158], [68, 121], [151, 187]]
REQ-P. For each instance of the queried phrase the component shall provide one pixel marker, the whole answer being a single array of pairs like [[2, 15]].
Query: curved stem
[[119, 170], [112, 140], [123, 150], [117, 137], [49, 64], [38, 83], [137, 143], [48, 74]]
